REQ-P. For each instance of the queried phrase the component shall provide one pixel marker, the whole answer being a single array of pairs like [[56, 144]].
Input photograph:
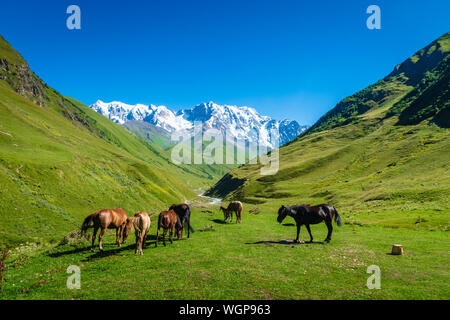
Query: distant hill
[[383, 150], [155, 135], [60, 161]]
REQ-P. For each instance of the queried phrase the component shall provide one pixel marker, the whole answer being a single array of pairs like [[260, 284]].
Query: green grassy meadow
[[240, 261]]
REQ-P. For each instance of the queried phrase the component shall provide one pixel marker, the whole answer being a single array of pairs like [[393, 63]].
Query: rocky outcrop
[[24, 81]]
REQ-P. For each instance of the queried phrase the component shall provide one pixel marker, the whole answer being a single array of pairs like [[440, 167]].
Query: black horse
[[306, 215], [184, 215]]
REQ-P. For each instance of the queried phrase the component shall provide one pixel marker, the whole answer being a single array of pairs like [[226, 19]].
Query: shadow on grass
[[129, 245], [284, 242], [218, 221], [74, 251], [288, 224], [103, 254]]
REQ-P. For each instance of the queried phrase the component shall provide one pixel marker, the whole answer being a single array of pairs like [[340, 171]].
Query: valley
[[380, 157]]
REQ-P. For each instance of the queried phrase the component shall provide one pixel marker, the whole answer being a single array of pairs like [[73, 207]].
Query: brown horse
[[234, 206], [105, 219], [306, 215], [183, 212], [141, 224], [168, 220]]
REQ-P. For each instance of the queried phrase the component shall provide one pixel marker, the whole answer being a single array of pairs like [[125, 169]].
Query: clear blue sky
[[288, 59]]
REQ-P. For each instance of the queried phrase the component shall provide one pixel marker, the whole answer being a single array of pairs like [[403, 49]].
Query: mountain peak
[[414, 68], [243, 122], [9, 54]]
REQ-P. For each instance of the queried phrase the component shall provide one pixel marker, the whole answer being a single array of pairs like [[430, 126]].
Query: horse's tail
[[160, 218], [87, 223], [337, 218], [189, 221]]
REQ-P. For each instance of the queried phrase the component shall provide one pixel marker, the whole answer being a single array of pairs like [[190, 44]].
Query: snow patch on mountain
[[241, 122]]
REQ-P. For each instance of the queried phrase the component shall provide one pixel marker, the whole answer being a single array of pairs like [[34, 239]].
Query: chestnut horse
[[306, 215], [168, 220], [183, 212], [105, 219], [234, 206], [141, 224]]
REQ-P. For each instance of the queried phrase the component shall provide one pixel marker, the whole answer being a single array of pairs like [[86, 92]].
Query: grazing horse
[[141, 223], [234, 206], [105, 219], [184, 214], [168, 220], [306, 215]]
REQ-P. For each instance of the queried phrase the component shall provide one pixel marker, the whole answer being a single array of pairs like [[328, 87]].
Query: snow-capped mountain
[[239, 122]]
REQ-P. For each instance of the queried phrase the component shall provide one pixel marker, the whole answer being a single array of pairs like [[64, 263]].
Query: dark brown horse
[[105, 219], [306, 215], [168, 220], [234, 206], [183, 212]]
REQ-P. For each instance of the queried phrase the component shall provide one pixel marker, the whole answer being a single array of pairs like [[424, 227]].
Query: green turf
[[245, 261]]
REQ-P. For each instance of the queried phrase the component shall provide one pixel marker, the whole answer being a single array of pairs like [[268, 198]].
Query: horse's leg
[[121, 231], [141, 242], [189, 225], [298, 233], [118, 237], [136, 233], [164, 236], [309, 231], [330, 230], [157, 236], [171, 233], [100, 237], [144, 244], [94, 235]]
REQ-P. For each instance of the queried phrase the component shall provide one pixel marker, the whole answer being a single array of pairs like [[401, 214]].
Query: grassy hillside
[[161, 138], [380, 156], [155, 135], [60, 160]]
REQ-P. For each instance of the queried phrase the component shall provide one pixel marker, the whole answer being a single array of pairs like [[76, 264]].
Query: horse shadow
[[284, 242], [74, 251], [219, 221], [103, 254], [97, 253]]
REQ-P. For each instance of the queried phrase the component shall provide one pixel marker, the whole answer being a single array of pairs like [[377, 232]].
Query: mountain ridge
[[241, 122]]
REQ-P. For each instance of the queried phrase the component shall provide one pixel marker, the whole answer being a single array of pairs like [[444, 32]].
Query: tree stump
[[397, 249]]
